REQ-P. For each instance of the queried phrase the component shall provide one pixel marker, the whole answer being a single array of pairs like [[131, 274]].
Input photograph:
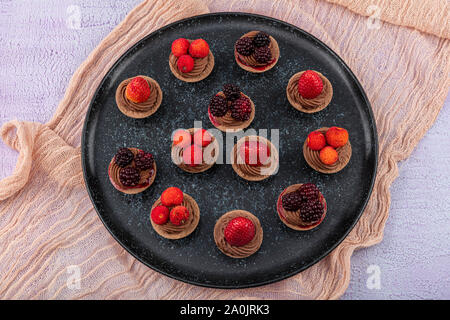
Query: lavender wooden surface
[[43, 42]]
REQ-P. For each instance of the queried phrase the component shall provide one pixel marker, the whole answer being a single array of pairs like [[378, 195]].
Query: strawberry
[[172, 196], [310, 84], [254, 153], [179, 215], [185, 63], [199, 48], [239, 231], [193, 155], [138, 90], [180, 47], [202, 138], [160, 215], [182, 138], [316, 140]]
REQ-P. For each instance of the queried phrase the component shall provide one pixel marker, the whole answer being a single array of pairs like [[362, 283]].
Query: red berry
[[239, 231], [138, 90], [179, 215], [193, 155], [180, 47], [172, 196], [254, 153], [316, 140], [199, 48], [310, 84], [337, 137], [182, 138], [185, 63], [328, 155], [202, 138], [160, 215]]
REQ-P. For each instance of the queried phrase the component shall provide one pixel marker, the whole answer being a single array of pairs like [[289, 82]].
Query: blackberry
[[244, 46], [123, 157], [218, 106], [241, 109], [261, 39], [309, 191], [143, 160], [291, 201], [129, 176], [231, 91], [311, 211], [262, 55]]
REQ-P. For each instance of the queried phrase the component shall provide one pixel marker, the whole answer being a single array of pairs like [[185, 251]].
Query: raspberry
[[143, 160], [193, 155], [291, 201], [231, 91], [311, 211], [262, 55], [310, 84], [316, 140], [160, 215], [244, 46], [123, 157], [309, 191], [261, 39], [241, 109], [218, 106], [202, 138], [179, 215], [172, 196], [129, 176], [239, 231]]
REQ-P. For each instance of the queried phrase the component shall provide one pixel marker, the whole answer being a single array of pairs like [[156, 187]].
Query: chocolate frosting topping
[[292, 218], [227, 122], [313, 159], [254, 173], [139, 110], [309, 105], [211, 151], [202, 68], [235, 251], [171, 231]]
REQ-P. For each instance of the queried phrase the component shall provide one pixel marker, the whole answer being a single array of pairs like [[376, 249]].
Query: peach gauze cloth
[[399, 50]]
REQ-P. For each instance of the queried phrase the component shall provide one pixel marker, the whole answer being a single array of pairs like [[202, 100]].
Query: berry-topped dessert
[[254, 158], [138, 97], [327, 150], [301, 206], [132, 170], [191, 60], [256, 51], [175, 214], [230, 109], [238, 234], [309, 91], [194, 150]]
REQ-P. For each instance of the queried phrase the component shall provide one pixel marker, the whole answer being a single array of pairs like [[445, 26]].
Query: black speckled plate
[[195, 259]]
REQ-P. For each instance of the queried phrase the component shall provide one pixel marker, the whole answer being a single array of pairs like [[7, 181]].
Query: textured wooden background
[[43, 42]]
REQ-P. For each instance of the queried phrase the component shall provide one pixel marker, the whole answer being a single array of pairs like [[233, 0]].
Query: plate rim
[[371, 118]]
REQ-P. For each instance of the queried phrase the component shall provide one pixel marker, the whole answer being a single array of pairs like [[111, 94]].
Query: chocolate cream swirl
[[237, 251], [151, 103], [171, 231], [250, 60], [309, 105], [312, 157]]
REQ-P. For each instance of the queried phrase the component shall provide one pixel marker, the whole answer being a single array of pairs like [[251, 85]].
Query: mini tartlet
[[132, 170], [191, 60], [238, 234], [203, 149], [256, 52], [175, 215], [301, 206], [317, 91], [231, 110], [254, 158], [139, 109], [315, 159]]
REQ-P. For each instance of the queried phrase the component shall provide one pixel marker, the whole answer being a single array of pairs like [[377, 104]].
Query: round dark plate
[[196, 259]]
